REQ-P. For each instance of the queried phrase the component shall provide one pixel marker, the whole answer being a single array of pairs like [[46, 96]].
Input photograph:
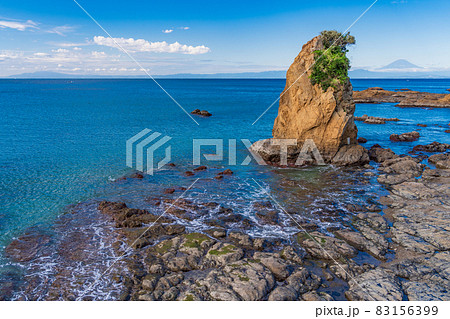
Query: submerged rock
[[27, 246]]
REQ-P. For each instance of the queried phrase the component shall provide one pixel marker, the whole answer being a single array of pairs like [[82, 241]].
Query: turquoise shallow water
[[63, 141]]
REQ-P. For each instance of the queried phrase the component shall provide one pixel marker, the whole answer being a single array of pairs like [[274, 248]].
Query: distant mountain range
[[395, 70], [398, 69], [244, 75], [400, 65]]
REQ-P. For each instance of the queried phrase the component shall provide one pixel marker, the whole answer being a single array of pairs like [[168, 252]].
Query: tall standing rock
[[306, 112]]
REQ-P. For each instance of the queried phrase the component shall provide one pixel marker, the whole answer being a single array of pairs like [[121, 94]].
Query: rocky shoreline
[[405, 232]]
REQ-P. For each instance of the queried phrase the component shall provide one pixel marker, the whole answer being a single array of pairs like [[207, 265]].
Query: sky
[[170, 37]]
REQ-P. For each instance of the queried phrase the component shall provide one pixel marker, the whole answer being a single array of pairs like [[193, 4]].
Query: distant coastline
[[197, 77], [400, 69]]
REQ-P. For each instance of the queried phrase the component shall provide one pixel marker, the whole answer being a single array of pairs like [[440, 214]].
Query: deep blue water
[[63, 141]]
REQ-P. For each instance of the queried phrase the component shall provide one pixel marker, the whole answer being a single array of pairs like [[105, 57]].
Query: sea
[[63, 147]]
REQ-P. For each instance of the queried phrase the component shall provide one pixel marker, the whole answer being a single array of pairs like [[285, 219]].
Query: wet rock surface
[[418, 207]]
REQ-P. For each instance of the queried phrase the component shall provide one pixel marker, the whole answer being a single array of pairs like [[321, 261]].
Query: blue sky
[[168, 37]]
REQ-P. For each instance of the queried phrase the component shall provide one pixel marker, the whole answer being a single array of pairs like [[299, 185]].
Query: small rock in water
[[188, 173], [434, 147], [226, 172], [200, 168], [405, 137], [201, 113], [169, 191], [375, 120], [362, 140], [422, 125], [137, 175]]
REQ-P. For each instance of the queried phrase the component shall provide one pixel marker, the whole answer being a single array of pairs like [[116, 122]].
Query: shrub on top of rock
[[332, 65]]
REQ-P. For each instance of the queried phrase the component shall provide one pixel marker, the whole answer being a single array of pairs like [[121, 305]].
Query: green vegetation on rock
[[163, 247], [305, 236], [223, 251], [189, 298], [194, 240], [331, 64]]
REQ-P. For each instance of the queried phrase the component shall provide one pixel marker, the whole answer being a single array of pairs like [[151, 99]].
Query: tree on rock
[[331, 63]]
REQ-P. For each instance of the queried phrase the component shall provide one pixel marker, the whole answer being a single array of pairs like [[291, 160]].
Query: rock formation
[[203, 113], [403, 98], [375, 119], [405, 137], [306, 112]]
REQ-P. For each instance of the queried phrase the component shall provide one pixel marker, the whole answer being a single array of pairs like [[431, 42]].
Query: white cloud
[[61, 51], [61, 30], [97, 54], [71, 44], [168, 31], [6, 55], [77, 49], [21, 26], [141, 45], [185, 28]]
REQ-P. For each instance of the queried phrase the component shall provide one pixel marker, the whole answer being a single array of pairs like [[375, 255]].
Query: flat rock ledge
[[419, 208], [402, 98]]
